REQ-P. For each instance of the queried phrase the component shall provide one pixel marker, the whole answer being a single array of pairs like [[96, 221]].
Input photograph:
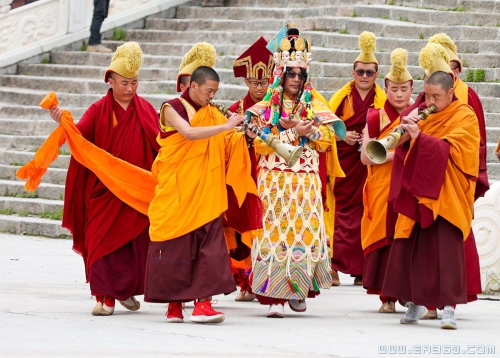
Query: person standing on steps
[[101, 8]]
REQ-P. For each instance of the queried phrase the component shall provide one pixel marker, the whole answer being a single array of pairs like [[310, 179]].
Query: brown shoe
[[387, 307], [431, 314], [358, 281], [131, 304], [244, 296], [98, 48], [335, 278], [99, 310]]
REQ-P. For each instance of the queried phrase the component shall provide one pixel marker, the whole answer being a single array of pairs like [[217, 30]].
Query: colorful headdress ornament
[[433, 58], [294, 50], [255, 62], [398, 73], [126, 61], [448, 44], [367, 41], [201, 54]]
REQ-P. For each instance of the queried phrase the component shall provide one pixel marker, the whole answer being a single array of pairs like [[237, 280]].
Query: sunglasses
[[291, 75], [361, 73]]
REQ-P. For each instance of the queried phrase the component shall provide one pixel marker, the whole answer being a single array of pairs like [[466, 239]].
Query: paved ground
[[45, 310]]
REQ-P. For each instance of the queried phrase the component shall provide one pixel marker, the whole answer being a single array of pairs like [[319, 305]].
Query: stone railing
[[486, 227], [38, 27]]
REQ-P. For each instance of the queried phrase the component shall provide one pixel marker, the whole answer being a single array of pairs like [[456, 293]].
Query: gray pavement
[[45, 308]]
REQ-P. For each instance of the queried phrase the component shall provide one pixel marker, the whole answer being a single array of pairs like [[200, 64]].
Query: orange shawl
[[457, 125]]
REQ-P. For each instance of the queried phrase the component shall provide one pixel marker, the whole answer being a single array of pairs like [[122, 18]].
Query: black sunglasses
[[291, 75], [361, 73]]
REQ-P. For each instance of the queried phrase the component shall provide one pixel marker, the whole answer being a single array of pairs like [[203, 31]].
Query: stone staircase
[[334, 27]]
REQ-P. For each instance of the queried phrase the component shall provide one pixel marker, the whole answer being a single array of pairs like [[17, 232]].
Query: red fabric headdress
[[255, 62]]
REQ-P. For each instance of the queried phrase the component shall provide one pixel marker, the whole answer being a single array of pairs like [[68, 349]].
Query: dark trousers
[[100, 13]]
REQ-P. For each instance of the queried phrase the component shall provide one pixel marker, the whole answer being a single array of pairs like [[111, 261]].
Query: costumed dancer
[[290, 258]]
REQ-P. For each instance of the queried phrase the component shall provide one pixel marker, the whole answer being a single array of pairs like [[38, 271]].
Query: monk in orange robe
[[436, 172], [199, 155], [380, 122]]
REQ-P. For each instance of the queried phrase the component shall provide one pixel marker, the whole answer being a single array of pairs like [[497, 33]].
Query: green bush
[[479, 75], [469, 75], [119, 34]]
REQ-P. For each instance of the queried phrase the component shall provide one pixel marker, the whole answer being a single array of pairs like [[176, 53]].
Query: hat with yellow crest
[[433, 58], [398, 73], [126, 61], [448, 44], [201, 54], [367, 41]]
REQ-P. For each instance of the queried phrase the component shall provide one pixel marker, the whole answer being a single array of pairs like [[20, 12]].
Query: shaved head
[[441, 78]]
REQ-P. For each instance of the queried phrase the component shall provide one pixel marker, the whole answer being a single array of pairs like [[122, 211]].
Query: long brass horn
[[377, 150], [291, 154]]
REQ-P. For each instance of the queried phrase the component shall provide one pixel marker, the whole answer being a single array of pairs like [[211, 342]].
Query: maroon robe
[[239, 107], [428, 268], [348, 254], [107, 232]]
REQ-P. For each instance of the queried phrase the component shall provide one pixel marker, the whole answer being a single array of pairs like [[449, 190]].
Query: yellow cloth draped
[[133, 185], [345, 91], [457, 125], [461, 90], [375, 195], [192, 178]]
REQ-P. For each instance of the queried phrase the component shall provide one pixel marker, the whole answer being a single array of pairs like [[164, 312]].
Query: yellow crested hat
[[201, 54], [448, 44], [433, 58], [126, 61], [367, 42], [398, 73]]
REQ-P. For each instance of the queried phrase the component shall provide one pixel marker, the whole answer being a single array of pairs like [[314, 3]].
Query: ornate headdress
[[398, 73], [433, 58], [201, 54], [255, 62], [126, 61], [367, 41], [448, 44], [294, 50]]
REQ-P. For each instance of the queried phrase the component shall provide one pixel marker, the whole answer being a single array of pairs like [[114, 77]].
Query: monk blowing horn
[[376, 150], [288, 152]]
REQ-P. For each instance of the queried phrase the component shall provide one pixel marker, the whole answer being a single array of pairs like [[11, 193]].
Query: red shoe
[[204, 313], [174, 313]]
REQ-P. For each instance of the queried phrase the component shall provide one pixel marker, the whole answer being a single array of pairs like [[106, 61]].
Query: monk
[[380, 122], [111, 236], [199, 155], [426, 264], [351, 103]]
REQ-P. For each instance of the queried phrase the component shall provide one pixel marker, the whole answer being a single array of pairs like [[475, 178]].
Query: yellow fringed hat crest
[[448, 44], [433, 58], [126, 61], [367, 41], [201, 54], [398, 73]]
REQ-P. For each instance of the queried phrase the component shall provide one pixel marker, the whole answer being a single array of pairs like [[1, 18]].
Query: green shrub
[[479, 75], [118, 34], [469, 75]]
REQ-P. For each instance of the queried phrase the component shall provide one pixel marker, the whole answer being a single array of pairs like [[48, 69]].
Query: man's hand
[[55, 113], [233, 121], [288, 123], [353, 138], [304, 128], [411, 126]]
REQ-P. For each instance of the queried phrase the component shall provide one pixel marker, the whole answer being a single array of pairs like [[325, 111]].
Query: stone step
[[71, 71], [16, 189], [25, 127], [494, 171], [31, 206], [297, 3], [19, 158], [33, 226], [491, 6], [8, 110], [491, 157], [52, 176], [25, 143], [492, 134]]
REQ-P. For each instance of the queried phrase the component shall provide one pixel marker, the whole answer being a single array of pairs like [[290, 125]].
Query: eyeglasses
[[361, 73], [256, 84], [291, 75]]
